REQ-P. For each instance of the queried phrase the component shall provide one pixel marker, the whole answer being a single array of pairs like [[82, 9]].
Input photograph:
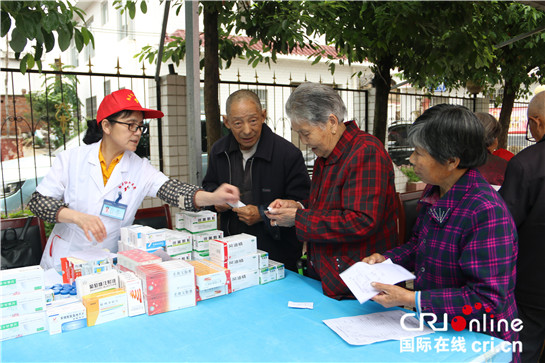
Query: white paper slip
[[238, 204], [301, 305], [359, 276], [376, 327]]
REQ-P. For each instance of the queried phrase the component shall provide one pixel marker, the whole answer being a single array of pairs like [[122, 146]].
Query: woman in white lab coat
[[94, 190]]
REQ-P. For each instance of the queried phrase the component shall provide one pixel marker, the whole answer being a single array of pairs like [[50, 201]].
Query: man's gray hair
[[314, 102], [242, 94]]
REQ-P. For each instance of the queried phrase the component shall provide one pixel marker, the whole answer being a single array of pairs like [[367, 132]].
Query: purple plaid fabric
[[463, 250]]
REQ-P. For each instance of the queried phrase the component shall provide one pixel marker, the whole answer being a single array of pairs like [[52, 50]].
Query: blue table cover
[[250, 325]]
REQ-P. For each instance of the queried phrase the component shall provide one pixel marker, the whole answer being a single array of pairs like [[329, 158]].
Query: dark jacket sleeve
[[515, 191], [297, 186], [211, 179], [297, 181]]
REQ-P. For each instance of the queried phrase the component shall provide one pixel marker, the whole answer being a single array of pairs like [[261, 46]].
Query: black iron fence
[[48, 113]]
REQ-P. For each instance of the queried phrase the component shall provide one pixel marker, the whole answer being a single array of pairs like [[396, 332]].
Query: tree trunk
[[509, 92], [382, 82], [211, 74]]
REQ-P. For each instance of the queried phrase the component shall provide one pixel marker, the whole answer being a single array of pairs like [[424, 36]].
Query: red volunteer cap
[[124, 99]]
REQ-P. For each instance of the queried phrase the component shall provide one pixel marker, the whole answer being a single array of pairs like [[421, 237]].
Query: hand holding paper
[[359, 277], [238, 204]]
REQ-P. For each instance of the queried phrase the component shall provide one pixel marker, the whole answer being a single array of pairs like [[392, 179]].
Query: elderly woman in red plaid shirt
[[463, 247], [351, 210]]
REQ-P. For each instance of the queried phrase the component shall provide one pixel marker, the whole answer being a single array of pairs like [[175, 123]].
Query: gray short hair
[[242, 94], [314, 102], [447, 131], [492, 127]]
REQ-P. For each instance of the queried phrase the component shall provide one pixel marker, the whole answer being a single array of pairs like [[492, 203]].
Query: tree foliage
[[37, 22], [46, 106], [428, 42], [424, 40]]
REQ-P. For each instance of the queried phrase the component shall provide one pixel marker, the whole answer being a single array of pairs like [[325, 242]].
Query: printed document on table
[[376, 327], [359, 276]]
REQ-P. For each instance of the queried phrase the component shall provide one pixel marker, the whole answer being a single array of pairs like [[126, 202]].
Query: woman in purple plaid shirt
[[464, 245]]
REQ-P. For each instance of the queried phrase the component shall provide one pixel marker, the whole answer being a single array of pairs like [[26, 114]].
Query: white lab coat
[[76, 178]]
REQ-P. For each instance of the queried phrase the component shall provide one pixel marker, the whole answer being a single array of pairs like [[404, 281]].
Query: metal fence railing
[[49, 115]]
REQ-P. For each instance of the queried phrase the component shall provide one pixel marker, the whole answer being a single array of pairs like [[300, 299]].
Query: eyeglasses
[[529, 135], [133, 127]]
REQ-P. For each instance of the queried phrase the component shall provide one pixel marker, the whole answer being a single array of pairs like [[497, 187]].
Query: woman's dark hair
[[447, 131], [94, 130]]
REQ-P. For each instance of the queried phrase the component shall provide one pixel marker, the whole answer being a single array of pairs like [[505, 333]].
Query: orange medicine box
[[209, 275], [105, 306]]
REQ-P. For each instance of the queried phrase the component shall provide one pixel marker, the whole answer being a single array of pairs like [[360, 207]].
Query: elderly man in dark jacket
[[524, 192], [265, 167]]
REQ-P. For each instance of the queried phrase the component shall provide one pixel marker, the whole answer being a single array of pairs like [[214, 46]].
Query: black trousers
[[532, 334]]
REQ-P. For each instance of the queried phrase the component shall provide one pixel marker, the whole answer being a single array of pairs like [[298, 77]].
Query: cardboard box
[[263, 258], [173, 300], [105, 306], [85, 262], [231, 247], [166, 277], [21, 280], [132, 285], [183, 256], [89, 284], [177, 243], [130, 260], [200, 240], [199, 256], [152, 239], [244, 279], [66, 317], [211, 293], [18, 326], [242, 263], [179, 223], [265, 275], [279, 268], [19, 304], [124, 234], [209, 275], [200, 221]]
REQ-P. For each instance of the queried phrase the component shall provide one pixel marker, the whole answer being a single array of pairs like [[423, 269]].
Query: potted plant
[[414, 182]]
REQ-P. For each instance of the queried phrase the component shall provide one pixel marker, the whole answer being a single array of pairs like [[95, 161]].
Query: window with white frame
[[74, 55], [125, 26], [89, 50], [104, 12]]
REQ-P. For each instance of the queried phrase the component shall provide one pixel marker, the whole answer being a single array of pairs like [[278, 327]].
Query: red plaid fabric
[[351, 211]]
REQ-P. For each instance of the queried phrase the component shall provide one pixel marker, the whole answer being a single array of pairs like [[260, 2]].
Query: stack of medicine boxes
[[22, 302], [238, 253], [212, 280], [167, 286], [104, 301], [203, 227]]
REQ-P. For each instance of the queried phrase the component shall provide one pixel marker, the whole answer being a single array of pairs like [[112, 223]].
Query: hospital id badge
[[113, 210]]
